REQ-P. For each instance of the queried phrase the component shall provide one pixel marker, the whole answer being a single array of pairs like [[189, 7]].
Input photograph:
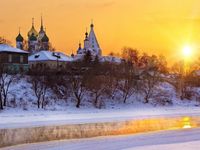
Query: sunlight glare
[[186, 123], [187, 51]]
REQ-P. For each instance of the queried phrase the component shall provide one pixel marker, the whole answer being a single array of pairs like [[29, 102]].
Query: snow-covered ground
[[22, 108], [177, 146], [188, 139], [20, 118], [22, 112]]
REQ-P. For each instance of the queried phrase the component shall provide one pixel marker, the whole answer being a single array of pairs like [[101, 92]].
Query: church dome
[[45, 38], [92, 25], [32, 31], [33, 37], [19, 38], [41, 32], [41, 35]]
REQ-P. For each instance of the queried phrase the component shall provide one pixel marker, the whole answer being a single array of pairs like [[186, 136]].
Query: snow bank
[[21, 97], [165, 140]]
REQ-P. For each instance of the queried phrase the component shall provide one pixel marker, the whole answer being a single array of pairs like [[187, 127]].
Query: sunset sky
[[153, 26]]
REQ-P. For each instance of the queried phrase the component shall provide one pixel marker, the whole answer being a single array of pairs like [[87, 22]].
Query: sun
[[187, 51]]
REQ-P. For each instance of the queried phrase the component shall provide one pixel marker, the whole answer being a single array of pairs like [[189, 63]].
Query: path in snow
[[188, 139]]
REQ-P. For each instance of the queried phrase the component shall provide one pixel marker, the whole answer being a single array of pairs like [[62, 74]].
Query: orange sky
[[154, 26]]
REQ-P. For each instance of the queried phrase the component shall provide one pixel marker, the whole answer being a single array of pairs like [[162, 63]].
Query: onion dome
[[72, 55], [86, 36], [79, 46], [32, 37], [92, 25], [19, 38], [32, 30], [45, 38]]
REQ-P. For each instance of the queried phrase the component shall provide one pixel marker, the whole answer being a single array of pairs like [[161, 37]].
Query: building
[[48, 60], [90, 44], [37, 41], [13, 59]]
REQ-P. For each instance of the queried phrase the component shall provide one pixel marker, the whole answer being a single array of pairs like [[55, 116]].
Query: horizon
[[153, 27]]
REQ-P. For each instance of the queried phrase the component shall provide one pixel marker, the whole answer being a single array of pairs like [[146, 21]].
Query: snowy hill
[[22, 97]]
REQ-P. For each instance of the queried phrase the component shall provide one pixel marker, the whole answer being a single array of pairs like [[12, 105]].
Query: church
[[37, 41], [90, 44]]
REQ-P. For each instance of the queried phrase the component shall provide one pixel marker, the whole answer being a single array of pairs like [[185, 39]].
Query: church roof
[[45, 38], [92, 38], [19, 38], [90, 43], [49, 56], [8, 48]]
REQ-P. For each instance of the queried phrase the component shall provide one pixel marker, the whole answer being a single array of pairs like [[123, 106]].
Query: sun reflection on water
[[186, 123]]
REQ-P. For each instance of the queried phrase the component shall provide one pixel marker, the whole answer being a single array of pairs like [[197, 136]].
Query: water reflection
[[187, 123]]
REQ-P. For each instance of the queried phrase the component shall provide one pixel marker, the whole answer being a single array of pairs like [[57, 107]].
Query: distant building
[[13, 59], [36, 41], [90, 44], [48, 60]]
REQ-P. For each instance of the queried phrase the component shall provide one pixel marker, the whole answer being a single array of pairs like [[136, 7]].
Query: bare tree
[[5, 41], [97, 85], [162, 64], [129, 74], [112, 73], [60, 84], [149, 81], [177, 68], [5, 82], [78, 88], [39, 81], [128, 82], [130, 55]]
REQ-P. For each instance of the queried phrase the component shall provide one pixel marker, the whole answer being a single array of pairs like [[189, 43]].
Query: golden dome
[[32, 31]]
